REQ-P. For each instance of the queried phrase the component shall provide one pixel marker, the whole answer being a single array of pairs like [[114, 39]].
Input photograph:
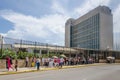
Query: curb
[[47, 69]]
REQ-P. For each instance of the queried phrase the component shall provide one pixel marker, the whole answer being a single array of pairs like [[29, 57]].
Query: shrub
[[19, 55], [8, 52]]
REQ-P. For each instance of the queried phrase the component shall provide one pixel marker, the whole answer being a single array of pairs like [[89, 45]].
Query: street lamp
[[47, 49], [108, 50], [35, 48], [1, 39]]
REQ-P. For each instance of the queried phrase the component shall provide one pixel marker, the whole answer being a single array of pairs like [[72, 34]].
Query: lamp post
[[108, 50], [47, 49], [70, 51], [35, 48], [1, 39], [20, 45], [56, 49]]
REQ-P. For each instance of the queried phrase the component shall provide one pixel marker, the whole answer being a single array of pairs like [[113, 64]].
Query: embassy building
[[93, 30]]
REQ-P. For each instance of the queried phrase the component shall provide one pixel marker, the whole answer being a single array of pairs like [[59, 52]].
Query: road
[[103, 72]]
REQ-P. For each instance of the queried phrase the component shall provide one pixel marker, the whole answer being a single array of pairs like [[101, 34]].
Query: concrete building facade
[[93, 30]]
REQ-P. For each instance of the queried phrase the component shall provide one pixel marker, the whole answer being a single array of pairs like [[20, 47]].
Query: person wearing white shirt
[[61, 62]]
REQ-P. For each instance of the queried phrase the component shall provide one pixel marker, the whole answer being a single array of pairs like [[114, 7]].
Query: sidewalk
[[33, 69]]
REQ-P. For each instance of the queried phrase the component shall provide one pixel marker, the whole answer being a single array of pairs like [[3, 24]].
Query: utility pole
[[35, 51], [20, 45], [1, 39], [47, 49]]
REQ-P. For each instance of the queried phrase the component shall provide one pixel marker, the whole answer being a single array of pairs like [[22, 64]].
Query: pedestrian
[[38, 63], [69, 61], [61, 62], [16, 64], [55, 62], [7, 62], [58, 62], [11, 63], [51, 63], [43, 62], [33, 64], [26, 61]]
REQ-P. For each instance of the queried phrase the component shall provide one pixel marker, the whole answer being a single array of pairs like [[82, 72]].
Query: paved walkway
[[32, 69], [102, 72]]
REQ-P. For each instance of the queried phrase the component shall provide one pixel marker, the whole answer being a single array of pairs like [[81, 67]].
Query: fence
[[45, 48], [33, 46]]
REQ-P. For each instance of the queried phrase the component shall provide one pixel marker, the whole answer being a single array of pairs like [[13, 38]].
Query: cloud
[[57, 8], [116, 22], [49, 28], [89, 5], [116, 19]]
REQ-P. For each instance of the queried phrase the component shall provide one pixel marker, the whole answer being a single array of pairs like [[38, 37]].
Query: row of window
[[86, 33], [89, 23], [87, 30]]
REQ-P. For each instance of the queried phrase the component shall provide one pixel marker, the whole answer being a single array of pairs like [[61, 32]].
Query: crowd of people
[[57, 62]]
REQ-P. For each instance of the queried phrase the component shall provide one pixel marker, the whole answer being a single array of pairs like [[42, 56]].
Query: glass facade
[[86, 33]]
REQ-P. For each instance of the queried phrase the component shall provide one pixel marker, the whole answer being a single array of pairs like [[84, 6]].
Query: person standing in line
[[26, 62], [51, 63], [16, 64], [61, 62], [9, 65], [55, 62], [7, 62], [58, 62], [11, 62], [33, 62], [43, 61], [38, 63]]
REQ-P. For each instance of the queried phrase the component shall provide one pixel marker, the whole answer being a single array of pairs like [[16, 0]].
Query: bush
[[23, 55], [50, 55], [19, 55], [8, 52]]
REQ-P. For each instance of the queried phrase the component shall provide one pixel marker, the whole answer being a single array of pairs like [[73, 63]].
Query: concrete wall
[[106, 31], [21, 63]]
